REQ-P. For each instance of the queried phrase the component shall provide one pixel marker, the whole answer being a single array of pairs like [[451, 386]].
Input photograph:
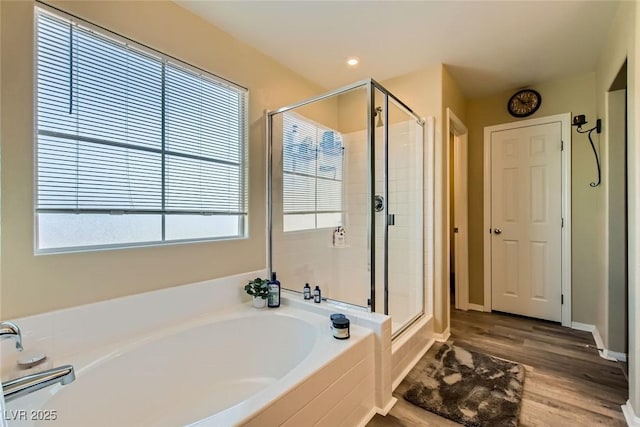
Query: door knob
[[497, 231]]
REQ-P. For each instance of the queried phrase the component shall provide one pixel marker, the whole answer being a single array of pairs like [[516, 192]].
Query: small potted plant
[[259, 289]]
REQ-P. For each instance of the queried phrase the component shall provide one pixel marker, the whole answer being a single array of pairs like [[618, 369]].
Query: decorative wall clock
[[524, 103]]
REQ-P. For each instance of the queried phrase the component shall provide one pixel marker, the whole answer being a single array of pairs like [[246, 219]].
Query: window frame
[[166, 60]]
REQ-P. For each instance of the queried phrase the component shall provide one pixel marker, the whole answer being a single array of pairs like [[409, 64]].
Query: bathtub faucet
[[33, 382], [11, 330]]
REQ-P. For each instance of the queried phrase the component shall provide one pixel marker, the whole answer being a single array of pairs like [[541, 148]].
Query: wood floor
[[566, 382]]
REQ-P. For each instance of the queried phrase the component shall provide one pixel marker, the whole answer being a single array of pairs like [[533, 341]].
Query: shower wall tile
[[344, 273]]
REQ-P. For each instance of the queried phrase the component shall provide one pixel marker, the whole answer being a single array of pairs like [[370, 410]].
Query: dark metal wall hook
[[579, 121]]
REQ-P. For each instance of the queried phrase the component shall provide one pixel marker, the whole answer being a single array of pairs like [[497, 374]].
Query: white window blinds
[[133, 147], [312, 175]]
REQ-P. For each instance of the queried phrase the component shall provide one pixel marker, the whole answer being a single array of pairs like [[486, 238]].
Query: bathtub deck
[[566, 383]]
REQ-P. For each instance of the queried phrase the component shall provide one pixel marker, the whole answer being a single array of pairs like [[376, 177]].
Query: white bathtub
[[246, 367]]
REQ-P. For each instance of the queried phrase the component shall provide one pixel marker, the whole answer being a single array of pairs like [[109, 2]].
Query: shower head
[[379, 114]]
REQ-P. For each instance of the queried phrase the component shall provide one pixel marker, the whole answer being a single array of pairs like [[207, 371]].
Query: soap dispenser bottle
[[274, 291], [317, 297], [307, 291]]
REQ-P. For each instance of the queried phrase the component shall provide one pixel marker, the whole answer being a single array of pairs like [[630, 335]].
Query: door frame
[[460, 133], [565, 122]]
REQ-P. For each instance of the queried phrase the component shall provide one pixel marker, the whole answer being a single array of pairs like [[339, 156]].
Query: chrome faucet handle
[[15, 388], [11, 330]]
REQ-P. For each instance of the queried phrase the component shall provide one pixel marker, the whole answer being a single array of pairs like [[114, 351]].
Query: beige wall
[[352, 111], [1, 313], [614, 171], [633, 162], [452, 97], [421, 90], [623, 42], [33, 284], [610, 107], [577, 96]]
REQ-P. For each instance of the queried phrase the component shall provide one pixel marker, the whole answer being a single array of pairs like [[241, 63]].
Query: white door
[[526, 221]]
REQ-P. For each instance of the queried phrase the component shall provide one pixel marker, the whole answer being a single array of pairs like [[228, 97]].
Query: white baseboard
[[615, 355], [604, 352], [372, 413], [599, 342], [443, 337], [476, 307], [582, 326], [384, 411], [630, 416]]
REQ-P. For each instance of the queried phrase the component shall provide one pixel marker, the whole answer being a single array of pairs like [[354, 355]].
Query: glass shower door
[[404, 227]]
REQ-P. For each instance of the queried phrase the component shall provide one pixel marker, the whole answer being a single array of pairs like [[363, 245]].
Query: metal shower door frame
[[371, 85]]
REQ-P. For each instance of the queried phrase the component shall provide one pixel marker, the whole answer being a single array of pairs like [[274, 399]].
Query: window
[[312, 175], [133, 147]]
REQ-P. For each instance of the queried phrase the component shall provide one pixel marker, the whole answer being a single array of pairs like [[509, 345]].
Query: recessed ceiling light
[[353, 61]]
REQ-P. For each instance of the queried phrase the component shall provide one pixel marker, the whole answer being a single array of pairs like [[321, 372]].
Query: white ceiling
[[488, 46]]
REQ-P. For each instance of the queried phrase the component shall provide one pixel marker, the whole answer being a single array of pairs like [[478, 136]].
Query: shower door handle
[[391, 219]]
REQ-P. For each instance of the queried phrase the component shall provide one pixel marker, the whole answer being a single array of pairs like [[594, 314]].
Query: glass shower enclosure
[[346, 200]]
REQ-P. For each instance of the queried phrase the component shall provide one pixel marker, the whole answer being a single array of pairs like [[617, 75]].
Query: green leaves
[[258, 288]]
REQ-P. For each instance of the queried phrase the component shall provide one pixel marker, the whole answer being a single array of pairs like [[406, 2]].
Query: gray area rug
[[471, 388]]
